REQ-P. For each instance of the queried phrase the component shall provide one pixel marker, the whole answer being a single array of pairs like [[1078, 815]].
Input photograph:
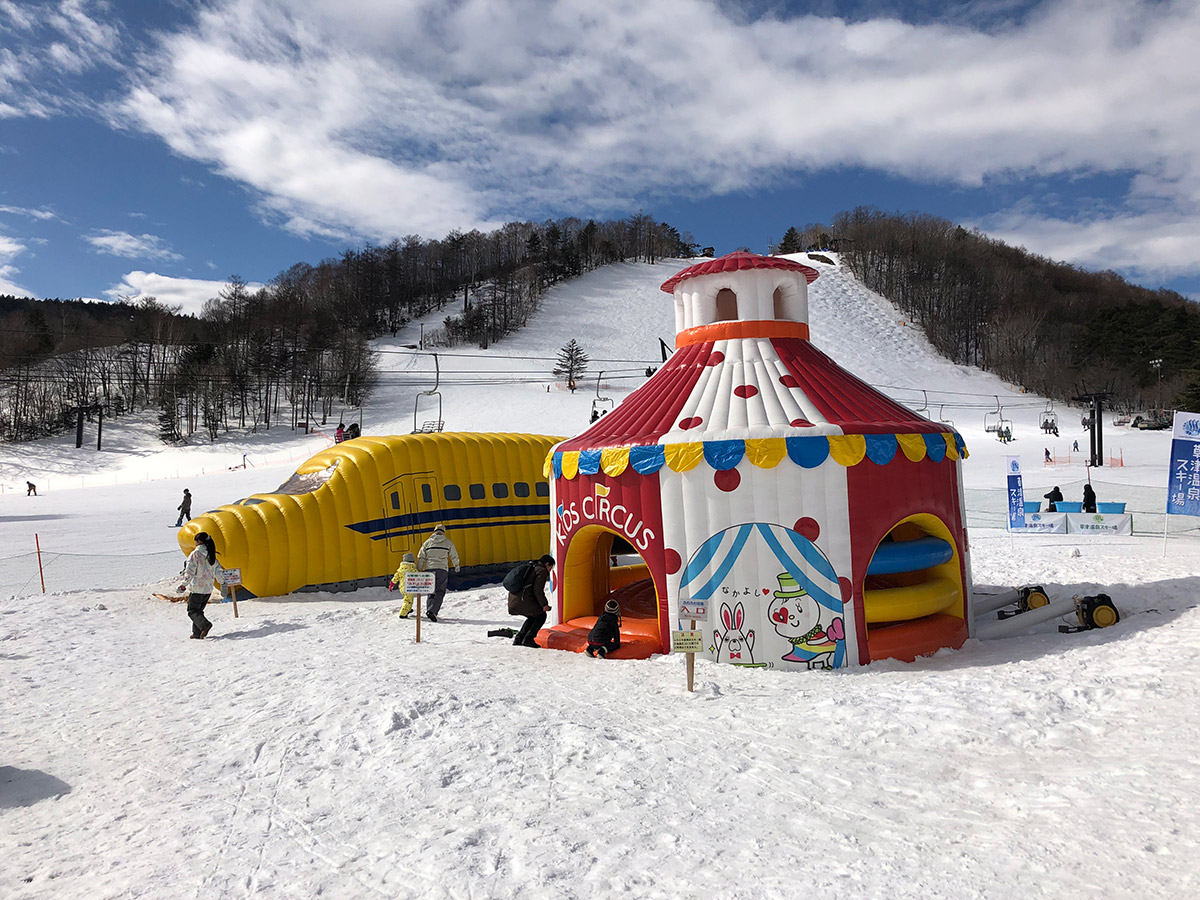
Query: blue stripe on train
[[424, 521]]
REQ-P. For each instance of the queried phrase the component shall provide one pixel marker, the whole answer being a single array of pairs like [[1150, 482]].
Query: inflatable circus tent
[[810, 521]]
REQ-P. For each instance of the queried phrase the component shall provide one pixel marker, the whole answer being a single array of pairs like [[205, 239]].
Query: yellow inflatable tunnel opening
[[589, 579], [913, 598]]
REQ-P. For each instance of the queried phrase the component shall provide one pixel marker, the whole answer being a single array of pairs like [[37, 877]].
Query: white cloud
[[10, 248], [371, 118], [188, 293], [40, 214], [130, 246], [10, 287], [64, 39]]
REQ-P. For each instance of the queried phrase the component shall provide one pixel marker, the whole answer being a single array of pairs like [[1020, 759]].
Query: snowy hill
[[312, 747]]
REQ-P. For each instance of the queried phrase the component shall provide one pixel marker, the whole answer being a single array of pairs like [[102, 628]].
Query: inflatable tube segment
[[347, 515]]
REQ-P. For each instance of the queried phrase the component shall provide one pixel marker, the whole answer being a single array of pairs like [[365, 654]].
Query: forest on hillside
[[1052, 328], [288, 353]]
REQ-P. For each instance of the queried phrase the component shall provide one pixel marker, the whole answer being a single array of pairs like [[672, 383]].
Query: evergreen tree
[[791, 242], [572, 362]]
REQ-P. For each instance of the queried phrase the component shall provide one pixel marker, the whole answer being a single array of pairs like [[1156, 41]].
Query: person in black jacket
[[185, 508], [605, 636], [532, 603], [1089, 499], [1054, 496]]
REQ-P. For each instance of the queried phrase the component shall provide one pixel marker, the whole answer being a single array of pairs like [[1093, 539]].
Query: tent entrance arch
[[590, 578]]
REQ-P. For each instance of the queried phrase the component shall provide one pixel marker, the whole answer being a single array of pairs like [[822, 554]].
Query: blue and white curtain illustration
[[776, 595]]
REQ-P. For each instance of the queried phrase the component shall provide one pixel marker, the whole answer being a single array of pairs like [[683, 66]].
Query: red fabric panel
[[650, 411], [845, 400]]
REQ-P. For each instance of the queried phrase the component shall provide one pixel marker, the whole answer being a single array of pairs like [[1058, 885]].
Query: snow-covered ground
[[311, 748]]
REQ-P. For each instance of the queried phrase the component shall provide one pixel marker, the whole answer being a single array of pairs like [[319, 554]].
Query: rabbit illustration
[[734, 646]]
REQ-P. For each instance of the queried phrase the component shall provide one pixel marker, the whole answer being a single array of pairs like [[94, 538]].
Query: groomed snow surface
[[310, 748]]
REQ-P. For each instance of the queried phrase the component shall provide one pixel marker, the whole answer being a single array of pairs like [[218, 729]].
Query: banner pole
[[1166, 519]]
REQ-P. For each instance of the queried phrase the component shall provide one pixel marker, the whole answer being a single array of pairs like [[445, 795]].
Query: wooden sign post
[[691, 641], [232, 579], [421, 584]]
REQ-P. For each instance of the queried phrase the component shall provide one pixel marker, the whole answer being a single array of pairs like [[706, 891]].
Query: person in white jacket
[[199, 573], [436, 555]]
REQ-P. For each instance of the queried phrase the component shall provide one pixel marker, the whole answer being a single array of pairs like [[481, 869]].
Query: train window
[[521, 489], [499, 490], [542, 488], [452, 492], [476, 491], [426, 493], [395, 499]]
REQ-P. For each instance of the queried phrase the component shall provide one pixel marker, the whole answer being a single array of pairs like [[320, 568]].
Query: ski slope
[[311, 748]]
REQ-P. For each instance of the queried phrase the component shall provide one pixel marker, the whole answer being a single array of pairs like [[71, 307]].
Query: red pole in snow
[[41, 573]]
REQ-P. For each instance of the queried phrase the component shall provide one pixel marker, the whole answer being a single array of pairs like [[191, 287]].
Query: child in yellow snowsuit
[[409, 564]]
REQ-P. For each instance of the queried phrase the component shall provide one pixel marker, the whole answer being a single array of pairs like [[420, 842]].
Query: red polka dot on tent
[[727, 480], [672, 560], [800, 423], [691, 422], [789, 381], [808, 528], [715, 358], [847, 588], [746, 391]]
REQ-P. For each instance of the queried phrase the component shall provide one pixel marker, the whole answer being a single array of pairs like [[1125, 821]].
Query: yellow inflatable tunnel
[[348, 514]]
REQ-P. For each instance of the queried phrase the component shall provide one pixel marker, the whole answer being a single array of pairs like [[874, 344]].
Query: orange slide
[[639, 624]]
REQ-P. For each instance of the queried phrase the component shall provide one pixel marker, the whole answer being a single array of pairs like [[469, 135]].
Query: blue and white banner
[[1183, 492], [1016, 492]]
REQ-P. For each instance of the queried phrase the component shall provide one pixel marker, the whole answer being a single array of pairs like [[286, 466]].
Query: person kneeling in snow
[[605, 636], [409, 564]]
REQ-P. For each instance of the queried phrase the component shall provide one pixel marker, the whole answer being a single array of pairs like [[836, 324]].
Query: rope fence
[[63, 572]]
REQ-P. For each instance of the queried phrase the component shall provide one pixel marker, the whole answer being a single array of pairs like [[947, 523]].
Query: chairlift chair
[[942, 417], [601, 406], [430, 426], [1049, 418], [923, 409], [991, 420]]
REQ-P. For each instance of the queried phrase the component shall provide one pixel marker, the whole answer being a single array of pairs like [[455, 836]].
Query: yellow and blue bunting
[[765, 453]]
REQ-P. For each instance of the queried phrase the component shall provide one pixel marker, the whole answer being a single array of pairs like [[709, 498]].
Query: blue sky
[[155, 147]]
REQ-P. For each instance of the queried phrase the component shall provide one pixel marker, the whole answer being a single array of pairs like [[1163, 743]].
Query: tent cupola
[[741, 295]]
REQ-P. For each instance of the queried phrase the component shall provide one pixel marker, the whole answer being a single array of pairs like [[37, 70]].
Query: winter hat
[[408, 557], [612, 607], [439, 529]]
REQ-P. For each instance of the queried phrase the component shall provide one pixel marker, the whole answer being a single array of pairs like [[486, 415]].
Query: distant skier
[[30, 489], [1055, 496], [185, 508], [1047, 454], [1075, 447], [340, 434]]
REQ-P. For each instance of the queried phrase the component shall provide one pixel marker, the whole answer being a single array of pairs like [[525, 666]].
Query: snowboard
[[170, 598]]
